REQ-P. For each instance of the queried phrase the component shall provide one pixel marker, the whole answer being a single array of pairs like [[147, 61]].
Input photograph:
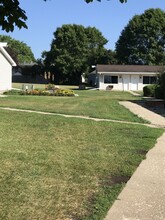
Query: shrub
[[159, 92], [63, 92], [50, 86], [149, 91], [12, 92]]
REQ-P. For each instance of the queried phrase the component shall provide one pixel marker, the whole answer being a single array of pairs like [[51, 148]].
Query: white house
[[6, 63], [123, 77]]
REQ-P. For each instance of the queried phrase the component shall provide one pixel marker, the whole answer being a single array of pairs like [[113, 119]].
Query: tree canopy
[[74, 49], [11, 14], [18, 50], [143, 40]]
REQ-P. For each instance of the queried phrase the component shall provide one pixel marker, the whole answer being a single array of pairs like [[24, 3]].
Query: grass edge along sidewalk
[[77, 116]]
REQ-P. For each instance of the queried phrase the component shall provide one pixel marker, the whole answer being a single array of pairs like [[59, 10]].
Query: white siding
[[5, 73], [126, 82]]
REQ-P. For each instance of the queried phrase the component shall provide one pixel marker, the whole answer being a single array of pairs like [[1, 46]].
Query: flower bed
[[57, 92], [38, 92]]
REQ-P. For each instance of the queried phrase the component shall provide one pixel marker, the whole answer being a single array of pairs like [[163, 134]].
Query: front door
[[134, 82], [126, 80]]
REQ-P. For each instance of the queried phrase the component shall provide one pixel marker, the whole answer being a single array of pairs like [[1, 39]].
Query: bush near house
[[159, 92], [156, 90], [149, 91]]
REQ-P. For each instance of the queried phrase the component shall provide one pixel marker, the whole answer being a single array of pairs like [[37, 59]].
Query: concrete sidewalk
[[142, 112], [143, 197]]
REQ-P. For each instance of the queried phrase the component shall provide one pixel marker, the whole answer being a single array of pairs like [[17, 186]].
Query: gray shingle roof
[[128, 68]]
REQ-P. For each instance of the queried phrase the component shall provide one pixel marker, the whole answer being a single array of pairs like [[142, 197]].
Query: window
[[111, 79], [149, 79]]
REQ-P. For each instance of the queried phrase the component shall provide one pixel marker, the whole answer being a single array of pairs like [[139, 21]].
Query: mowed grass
[[53, 168], [42, 86], [98, 104]]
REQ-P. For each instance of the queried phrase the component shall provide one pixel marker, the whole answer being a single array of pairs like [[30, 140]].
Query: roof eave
[[129, 73], [7, 56]]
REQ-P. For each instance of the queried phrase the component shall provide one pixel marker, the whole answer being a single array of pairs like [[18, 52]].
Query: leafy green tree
[[12, 15], [74, 49], [143, 40], [18, 50], [109, 57]]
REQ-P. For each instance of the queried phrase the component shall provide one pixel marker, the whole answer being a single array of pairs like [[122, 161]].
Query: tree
[[12, 15], [143, 40], [74, 49], [108, 57], [18, 50]]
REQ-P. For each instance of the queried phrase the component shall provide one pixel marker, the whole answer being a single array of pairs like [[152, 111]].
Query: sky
[[109, 17]]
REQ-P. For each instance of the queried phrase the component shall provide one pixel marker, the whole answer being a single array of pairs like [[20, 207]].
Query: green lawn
[[41, 86], [64, 168], [99, 104]]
